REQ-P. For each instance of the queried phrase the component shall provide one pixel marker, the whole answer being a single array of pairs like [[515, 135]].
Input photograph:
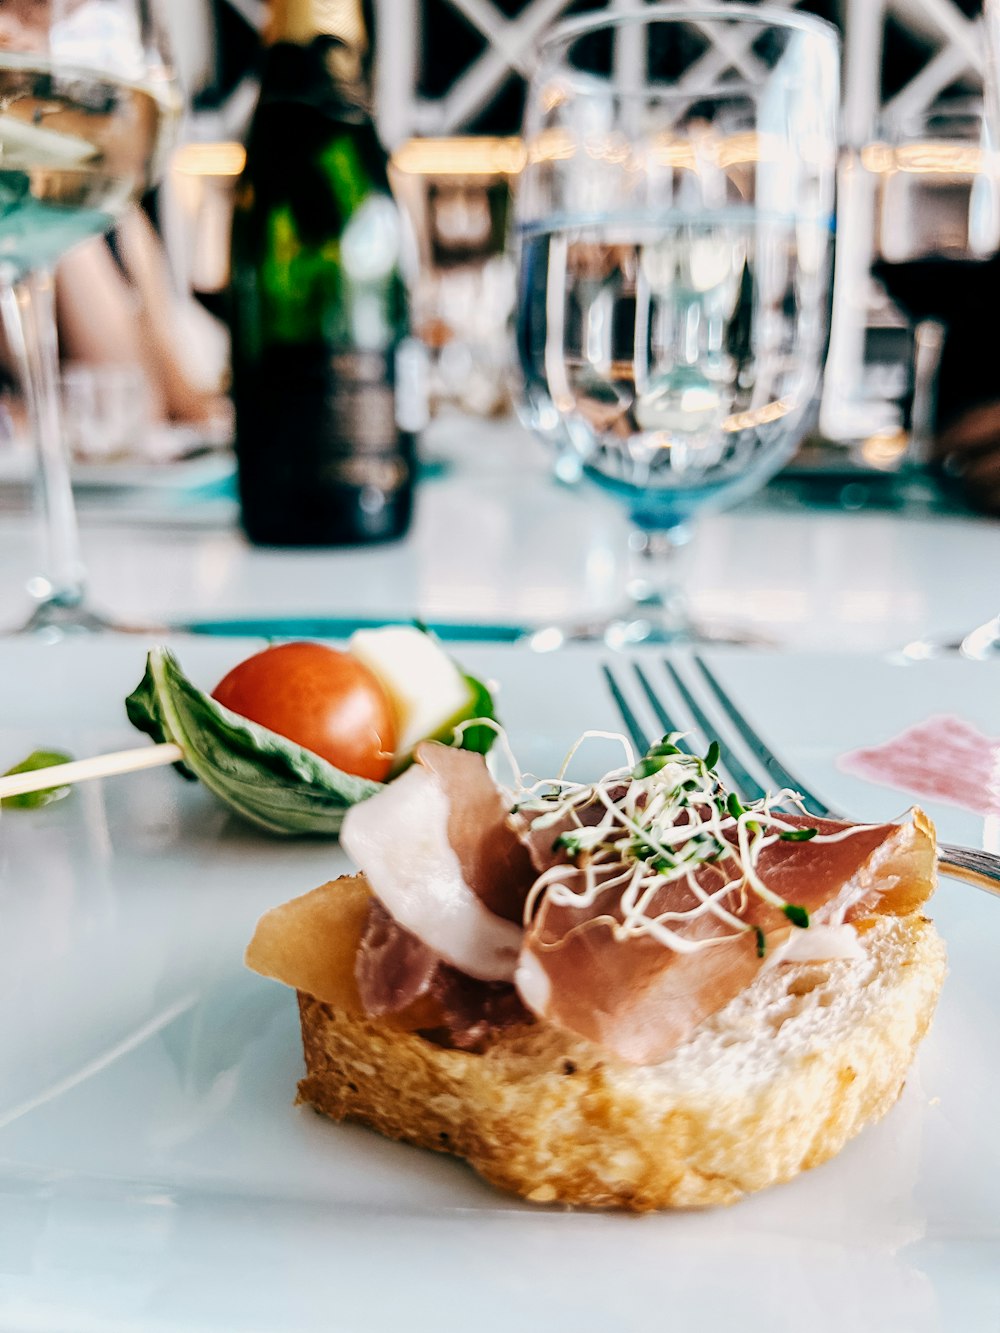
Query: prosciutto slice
[[439, 956], [640, 999], [495, 862], [439, 853], [452, 871], [393, 969], [400, 978]]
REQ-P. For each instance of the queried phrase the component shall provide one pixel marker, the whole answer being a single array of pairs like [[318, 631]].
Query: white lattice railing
[[957, 51]]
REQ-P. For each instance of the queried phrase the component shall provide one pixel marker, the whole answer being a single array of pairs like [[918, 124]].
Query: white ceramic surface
[[154, 1174], [495, 539]]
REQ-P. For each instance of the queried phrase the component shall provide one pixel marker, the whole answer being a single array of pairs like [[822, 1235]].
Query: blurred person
[[116, 306], [966, 443], [115, 302], [18, 17]]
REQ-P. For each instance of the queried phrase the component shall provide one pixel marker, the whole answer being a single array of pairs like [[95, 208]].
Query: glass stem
[[29, 320], [654, 581], [928, 344]]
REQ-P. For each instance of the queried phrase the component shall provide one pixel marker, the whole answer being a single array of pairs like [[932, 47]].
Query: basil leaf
[[34, 800], [144, 712], [267, 779]]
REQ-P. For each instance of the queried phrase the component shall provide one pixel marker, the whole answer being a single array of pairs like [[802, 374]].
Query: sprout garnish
[[665, 817]]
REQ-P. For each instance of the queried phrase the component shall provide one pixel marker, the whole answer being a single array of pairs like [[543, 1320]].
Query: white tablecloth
[[496, 539]]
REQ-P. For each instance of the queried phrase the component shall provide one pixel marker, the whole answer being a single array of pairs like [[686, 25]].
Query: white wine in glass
[[87, 107]]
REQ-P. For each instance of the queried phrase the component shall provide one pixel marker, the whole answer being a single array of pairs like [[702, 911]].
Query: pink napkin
[[944, 758]]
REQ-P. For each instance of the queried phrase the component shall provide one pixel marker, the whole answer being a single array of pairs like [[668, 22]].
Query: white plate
[[180, 472], [154, 1174]]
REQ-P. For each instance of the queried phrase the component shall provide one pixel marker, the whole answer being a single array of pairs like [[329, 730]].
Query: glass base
[[981, 644], [54, 619], [636, 628]]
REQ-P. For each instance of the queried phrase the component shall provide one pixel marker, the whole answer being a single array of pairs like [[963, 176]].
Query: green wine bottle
[[325, 383]]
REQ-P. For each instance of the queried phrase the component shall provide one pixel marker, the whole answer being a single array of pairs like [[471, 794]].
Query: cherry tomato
[[324, 700]]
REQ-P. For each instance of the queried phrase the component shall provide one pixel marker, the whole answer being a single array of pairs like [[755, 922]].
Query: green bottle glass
[[326, 385]]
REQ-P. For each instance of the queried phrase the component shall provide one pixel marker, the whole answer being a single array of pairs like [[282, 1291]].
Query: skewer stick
[[100, 766]]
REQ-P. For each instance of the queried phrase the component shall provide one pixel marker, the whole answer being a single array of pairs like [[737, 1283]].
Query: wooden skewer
[[100, 766]]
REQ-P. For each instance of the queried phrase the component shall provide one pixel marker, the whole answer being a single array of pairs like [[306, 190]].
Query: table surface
[[496, 539], [164, 1178]]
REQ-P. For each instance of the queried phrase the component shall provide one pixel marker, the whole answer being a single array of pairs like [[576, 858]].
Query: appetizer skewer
[[297, 734], [98, 766]]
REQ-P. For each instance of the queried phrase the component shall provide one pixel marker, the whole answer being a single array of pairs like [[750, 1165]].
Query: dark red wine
[[964, 294], [940, 287]]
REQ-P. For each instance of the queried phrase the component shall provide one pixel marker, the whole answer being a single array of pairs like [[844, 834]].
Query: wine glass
[[937, 238], [982, 642], [673, 226], [87, 102], [937, 232]]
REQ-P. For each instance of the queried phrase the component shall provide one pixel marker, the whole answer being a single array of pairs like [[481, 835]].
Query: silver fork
[[965, 863]]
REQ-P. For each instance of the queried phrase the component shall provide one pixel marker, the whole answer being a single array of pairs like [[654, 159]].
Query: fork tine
[[668, 724], [639, 738], [761, 752], [743, 782], [969, 864], [981, 869]]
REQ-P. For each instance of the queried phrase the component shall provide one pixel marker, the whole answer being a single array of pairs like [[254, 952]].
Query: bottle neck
[[326, 37], [302, 20]]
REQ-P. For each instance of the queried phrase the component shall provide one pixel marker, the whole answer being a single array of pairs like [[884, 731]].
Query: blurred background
[[449, 95], [449, 83]]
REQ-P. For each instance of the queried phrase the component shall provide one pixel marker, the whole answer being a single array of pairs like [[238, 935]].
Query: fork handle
[[973, 867]]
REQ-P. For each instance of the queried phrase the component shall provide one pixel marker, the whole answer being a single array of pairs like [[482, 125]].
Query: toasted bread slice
[[772, 1084]]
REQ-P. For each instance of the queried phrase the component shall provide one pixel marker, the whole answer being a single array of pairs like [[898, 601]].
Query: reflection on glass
[[456, 195], [87, 103], [673, 235]]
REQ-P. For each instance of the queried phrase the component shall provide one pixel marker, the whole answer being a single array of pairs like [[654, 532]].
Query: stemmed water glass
[[673, 228], [87, 104]]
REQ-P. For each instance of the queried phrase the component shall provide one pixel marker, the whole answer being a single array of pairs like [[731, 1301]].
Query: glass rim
[[763, 16], [158, 77]]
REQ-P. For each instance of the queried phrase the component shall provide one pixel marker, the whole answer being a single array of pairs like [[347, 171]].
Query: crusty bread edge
[[551, 1118]]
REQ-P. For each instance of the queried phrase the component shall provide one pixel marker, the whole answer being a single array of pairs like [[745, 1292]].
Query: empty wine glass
[[673, 226], [87, 101]]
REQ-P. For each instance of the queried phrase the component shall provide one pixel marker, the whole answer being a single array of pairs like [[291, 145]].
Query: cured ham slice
[[393, 968], [400, 978], [640, 999], [455, 876], [439, 854], [495, 862], [339, 945]]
